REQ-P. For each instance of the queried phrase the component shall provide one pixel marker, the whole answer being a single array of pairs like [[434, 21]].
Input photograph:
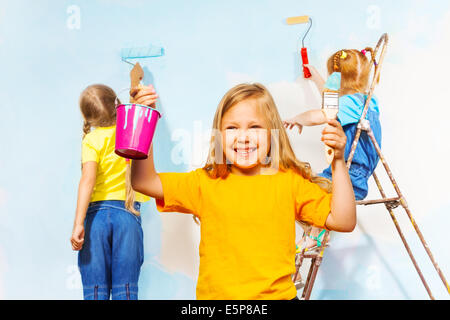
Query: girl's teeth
[[245, 151]]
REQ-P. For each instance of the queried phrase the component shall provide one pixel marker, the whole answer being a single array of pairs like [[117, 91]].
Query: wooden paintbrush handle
[[136, 75], [329, 154], [331, 113]]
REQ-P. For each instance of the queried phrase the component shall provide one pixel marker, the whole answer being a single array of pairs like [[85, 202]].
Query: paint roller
[[133, 143], [137, 73], [303, 51]]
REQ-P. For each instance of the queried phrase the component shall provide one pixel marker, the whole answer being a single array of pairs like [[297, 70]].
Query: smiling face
[[245, 137]]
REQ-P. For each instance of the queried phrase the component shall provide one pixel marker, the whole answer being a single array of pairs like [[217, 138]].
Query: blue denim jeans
[[112, 254], [358, 175]]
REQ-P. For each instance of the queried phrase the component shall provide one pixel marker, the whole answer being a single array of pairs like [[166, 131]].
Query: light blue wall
[[45, 64]]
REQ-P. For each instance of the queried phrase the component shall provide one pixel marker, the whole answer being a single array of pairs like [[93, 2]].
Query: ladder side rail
[[315, 264], [408, 212], [402, 237], [384, 40]]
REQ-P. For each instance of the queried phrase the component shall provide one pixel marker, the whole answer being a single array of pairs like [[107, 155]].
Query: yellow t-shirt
[[247, 246], [98, 145]]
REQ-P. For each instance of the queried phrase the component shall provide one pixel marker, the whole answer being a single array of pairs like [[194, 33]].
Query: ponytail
[[369, 49], [130, 194], [355, 67], [338, 56], [86, 128], [372, 60]]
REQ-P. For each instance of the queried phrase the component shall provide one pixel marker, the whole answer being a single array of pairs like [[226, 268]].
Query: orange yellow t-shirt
[[98, 145], [247, 246]]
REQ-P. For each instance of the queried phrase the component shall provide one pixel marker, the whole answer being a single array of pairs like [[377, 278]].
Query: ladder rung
[[386, 200], [310, 256]]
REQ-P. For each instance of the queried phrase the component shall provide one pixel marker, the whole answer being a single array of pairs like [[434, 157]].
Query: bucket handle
[[116, 101]]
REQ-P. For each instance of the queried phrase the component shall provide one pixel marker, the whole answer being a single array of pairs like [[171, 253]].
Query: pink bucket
[[135, 127]]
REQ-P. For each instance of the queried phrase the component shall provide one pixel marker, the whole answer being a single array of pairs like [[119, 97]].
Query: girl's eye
[[256, 126], [230, 128]]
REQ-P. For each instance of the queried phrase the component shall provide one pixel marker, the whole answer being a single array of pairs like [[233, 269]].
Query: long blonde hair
[[98, 107], [354, 67], [217, 167]]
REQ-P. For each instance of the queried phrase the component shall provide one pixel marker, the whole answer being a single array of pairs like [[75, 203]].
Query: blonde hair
[[354, 67], [98, 107], [216, 166]]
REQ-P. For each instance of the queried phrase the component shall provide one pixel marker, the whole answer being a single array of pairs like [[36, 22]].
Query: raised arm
[[144, 178], [343, 207], [316, 78], [342, 217]]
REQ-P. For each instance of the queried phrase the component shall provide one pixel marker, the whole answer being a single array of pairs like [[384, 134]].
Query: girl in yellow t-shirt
[[248, 196], [107, 229]]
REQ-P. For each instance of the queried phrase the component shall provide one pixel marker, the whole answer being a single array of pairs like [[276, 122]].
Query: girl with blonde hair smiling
[[248, 196]]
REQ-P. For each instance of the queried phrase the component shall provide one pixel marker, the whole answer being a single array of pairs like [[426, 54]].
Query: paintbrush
[[330, 105]]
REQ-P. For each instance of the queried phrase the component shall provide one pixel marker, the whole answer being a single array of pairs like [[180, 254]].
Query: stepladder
[[316, 254]]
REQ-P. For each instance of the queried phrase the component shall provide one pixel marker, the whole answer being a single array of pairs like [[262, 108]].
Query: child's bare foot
[[313, 240], [308, 243]]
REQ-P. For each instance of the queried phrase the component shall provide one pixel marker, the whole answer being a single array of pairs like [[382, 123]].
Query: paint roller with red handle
[[306, 72], [303, 51]]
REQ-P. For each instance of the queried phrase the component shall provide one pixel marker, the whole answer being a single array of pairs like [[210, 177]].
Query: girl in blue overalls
[[355, 68]]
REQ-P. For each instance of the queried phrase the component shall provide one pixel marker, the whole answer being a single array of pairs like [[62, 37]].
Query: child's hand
[[316, 77], [145, 95], [313, 70], [293, 122], [333, 136], [77, 238]]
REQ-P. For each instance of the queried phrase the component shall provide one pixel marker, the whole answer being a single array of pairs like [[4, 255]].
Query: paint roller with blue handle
[[330, 105]]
